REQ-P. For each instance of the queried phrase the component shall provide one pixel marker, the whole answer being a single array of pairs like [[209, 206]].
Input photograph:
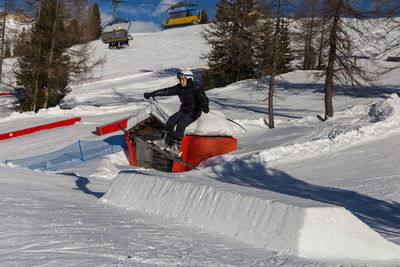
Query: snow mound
[[381, 111], [304, 228], [301, 76], [373, 122]]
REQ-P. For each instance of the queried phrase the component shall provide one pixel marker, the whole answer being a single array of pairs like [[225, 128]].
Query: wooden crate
[[150, 129]]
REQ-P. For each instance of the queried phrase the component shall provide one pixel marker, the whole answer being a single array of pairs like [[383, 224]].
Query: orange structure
[[195, 149]]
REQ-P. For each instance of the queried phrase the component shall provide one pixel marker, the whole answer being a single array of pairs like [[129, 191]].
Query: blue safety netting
[[73, 154]]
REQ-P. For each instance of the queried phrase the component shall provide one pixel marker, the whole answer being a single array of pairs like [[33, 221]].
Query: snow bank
[[336, 233], [300, 227], [374, 121], [302, 77]]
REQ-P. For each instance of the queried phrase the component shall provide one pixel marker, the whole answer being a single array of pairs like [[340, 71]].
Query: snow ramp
[[270, 220]]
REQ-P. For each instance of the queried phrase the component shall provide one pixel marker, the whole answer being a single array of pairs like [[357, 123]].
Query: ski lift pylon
[[188, 13], [119, 37]]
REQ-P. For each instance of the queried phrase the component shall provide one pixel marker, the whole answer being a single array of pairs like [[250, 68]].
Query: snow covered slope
[[305, 193], [263, 219]]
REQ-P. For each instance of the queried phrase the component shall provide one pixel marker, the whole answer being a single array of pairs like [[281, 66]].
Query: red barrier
[[111, 127], [195, 149], [131, 150], [39, 128], [5, 94]]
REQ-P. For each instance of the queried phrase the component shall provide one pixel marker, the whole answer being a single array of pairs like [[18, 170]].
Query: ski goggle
[[180, 75]]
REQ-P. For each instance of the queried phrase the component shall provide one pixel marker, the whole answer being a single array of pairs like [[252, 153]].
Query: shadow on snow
[[382, 216], [82, 183]]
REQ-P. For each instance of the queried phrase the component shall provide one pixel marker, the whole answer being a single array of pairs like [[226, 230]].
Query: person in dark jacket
[[193, 102]]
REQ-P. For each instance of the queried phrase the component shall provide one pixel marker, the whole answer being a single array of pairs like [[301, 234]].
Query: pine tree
[[263, 46], [21, 43], [285, 55], [204, 17], [74, 30], [44, 69], [7, 50], [95, 22], [3, 21], [231, 38], [309, 25], [30, 72]]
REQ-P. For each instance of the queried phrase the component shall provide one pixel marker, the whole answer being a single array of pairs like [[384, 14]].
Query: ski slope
[[307, 193]]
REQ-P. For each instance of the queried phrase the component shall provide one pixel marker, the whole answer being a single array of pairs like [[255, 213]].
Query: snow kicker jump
[[290, 225]]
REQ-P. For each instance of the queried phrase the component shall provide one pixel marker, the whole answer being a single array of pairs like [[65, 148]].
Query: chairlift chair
[[182, 14], [119, 37]]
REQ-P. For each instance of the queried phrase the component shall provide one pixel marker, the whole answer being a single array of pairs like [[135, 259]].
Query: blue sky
[[147, 15]]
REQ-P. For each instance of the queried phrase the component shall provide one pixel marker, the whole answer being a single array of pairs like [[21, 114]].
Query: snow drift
[[289, 225], [373, 122]]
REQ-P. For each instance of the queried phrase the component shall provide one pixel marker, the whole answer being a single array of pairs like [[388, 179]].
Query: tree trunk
[[3, 34], [273, 71], [331, 62], [321, 48], [308, 53], [53, 41], [321, 43], [36, 89]]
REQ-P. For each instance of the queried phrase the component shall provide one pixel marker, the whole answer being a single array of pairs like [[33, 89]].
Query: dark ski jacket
[[192, 97]]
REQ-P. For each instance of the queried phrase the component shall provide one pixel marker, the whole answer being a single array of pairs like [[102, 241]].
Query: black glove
[[206, 109], [148, 95]]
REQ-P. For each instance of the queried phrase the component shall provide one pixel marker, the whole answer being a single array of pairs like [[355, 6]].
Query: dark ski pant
[[181, 120]]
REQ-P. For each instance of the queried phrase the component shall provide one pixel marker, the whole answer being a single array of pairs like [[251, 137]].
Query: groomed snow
[[307, 193], [293, 226]]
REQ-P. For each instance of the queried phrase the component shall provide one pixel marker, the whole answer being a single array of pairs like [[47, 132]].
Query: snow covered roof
[[210, 124]]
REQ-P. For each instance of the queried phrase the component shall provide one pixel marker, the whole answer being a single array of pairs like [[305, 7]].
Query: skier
[[193, 102]]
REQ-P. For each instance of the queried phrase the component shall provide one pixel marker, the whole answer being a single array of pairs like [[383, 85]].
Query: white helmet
[[185, 73]]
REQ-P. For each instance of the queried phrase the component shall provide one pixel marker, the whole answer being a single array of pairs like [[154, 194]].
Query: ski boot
[[173, 146], [164, 138]]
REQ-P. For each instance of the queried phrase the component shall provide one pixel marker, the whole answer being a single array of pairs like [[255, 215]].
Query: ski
[[229, 120], [157, 148]]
